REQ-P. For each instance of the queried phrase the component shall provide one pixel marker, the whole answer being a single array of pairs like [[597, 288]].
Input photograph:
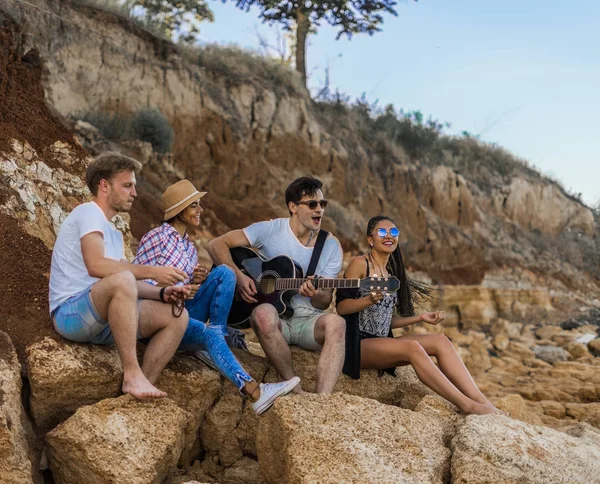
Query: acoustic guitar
[[278, 279]]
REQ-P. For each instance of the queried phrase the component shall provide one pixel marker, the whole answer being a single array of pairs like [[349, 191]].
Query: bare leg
[[165, 332], [387, 352], [452, 366], [252, 390], [267, 326], [115, 299], [330, 332]]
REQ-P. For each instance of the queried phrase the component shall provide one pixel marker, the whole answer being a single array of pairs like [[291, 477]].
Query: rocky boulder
[[517, 409], [229, 428], [594, 347], [65, 376], [17, 455], [550, 354], [343, 438], [404, 389], [195, 388], [118, 440], [498, 449]]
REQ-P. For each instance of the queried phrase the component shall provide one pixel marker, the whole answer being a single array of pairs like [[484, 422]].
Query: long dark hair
[[410, 292]]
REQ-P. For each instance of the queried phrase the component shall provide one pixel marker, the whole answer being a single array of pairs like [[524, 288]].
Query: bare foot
[[497, 410], [141, 388], [480, 409]]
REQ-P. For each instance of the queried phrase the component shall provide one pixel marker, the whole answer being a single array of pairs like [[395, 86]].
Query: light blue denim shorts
[[78, 320]]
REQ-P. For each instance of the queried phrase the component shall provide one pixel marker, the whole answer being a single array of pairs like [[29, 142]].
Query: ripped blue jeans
[[213, 300]]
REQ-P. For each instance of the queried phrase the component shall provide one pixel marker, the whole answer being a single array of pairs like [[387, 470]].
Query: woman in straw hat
[[212, 292]]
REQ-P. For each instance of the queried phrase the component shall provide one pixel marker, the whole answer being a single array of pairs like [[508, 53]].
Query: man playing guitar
[[309, 327]]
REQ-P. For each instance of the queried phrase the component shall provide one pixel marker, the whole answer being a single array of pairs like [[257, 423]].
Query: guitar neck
[[284, 283]]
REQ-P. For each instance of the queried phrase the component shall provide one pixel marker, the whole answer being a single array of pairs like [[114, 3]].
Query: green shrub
[[112, 126], [152, 126]]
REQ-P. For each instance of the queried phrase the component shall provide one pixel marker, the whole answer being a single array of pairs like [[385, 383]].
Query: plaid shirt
[[164, 246]]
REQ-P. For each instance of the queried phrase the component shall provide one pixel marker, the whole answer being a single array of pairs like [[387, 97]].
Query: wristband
[[161, 295]]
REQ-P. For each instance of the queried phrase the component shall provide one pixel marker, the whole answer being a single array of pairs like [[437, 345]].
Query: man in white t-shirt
[[310, 327], [96, 296]]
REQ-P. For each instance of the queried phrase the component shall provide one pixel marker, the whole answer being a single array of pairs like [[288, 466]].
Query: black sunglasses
[[312, 204]]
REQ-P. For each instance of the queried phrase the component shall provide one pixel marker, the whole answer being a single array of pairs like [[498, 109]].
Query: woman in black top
[[375, 315]]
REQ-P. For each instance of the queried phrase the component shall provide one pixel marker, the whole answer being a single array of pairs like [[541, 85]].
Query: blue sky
[[522, 74]]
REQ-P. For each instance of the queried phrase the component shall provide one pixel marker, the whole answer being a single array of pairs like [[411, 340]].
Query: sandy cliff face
[[244, 143]]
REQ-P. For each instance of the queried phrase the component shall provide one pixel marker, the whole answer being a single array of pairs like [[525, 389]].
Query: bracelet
[[161, 295]]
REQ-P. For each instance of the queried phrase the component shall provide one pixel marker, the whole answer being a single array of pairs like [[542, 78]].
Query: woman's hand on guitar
[[246, 288], [375, 297]]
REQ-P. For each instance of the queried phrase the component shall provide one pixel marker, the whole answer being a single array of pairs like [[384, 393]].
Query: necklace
[[373, 262]]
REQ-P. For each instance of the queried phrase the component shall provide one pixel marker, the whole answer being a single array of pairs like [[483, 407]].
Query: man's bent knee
[[123, 283], [182, 321], [265, 318], [334, 328]]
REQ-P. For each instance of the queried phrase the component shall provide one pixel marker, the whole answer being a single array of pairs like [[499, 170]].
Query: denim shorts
[[78, 320]]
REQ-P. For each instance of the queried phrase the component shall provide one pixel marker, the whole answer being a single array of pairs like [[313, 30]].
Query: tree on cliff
[[175, 16], [351, 17]]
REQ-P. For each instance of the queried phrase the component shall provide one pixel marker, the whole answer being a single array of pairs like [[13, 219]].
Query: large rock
[[480, 305], [65, 376], [403, 390], [343, 438], [517, 409], [498, 449], [229, 429], [445, 412], [16, 437], [594, 347], [475, 357], [550, 354], [118, 440], [195, 388], [584, 412], [577, 350]]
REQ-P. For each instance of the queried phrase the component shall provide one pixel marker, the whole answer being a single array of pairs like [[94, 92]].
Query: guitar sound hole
[[267, 285]]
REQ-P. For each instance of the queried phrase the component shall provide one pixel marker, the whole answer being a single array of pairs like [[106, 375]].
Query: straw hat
[[178, 197]]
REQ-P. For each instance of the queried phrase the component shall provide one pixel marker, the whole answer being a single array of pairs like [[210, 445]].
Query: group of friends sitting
[[170, 302]]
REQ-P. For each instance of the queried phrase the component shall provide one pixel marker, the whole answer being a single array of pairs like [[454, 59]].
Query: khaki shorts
[[299, 330]]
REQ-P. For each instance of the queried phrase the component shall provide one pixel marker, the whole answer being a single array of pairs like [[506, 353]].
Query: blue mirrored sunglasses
[[394, 232]]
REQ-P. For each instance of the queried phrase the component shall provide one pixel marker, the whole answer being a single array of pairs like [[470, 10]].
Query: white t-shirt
[[68, 273], [275, 237]]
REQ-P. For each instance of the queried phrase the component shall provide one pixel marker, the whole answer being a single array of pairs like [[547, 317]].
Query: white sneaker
[[269, 392], [205, 358]]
